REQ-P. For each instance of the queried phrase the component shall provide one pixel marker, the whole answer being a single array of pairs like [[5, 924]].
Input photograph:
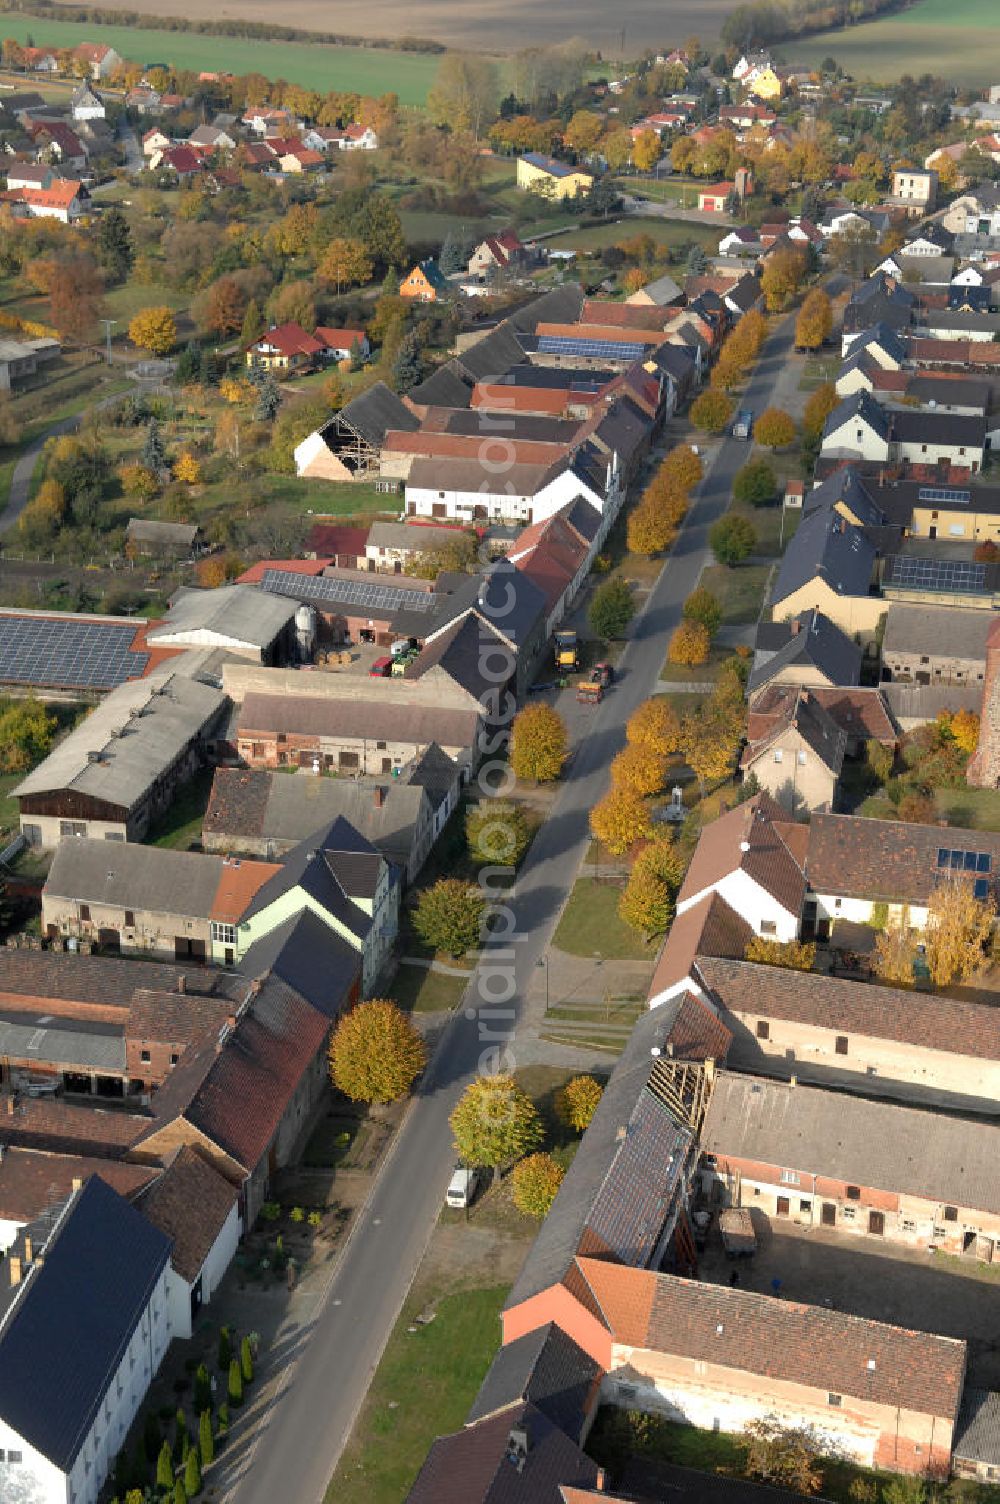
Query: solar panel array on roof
[[945, 494], [346, 592], [937, 574], [64, 654], [594, 349]]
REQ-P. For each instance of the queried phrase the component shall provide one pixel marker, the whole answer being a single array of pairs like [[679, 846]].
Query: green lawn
[[180, 827], [953, 39], [315, 65], [423, 1387], [8, 807], [739, 591], [969, 808], [590, 925], [702, 673], [666, 232], [418, 990]]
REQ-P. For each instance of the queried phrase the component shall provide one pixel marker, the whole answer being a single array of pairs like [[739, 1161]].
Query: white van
[[462, 1186]]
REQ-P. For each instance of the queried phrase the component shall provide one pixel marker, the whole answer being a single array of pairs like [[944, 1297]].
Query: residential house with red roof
[[495, 253], [183, 161], [60, 200], [101, 60], [285, 348]]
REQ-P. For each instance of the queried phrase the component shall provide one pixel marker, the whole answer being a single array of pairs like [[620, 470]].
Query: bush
[[880, 759], [793, 955], [235, 1383], [448, 916], [755, 484], [702, 606], [611, 609], [578, 1101], [732, 540], [690, 644]]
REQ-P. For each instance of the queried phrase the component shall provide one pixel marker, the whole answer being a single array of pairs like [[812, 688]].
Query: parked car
[[462, 1186], [589, 693], [380, 669], [602, 674], [743, 425]]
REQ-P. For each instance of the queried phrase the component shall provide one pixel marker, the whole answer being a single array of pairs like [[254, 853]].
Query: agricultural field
[[499, 24], [954, 39], [666, 232], [368, 70]]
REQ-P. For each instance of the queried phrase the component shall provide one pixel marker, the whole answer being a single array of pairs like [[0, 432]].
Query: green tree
[[192, 1474], [114, 245], [702, 606], [781, 1456], [235, 1383], [448, 916], [180, 1493], [206, 1441], [535, 1184], [253, 323], [26, 733], [538, 743], [202, 1389], [578, 1101], [732, 540], [496, 831], [755, 484], [268, 400], [375, 1056], [246, 1361], [154, 456], [408, 368], [225, 1349], [611, 609], [165, 1467], [495, 1123]]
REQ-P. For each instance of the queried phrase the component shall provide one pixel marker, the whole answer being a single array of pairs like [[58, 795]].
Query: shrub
[[497, 832], [235, 1383], [732, 540], [578, 1101], [793, 955], [755, 484], [448, 916], [246, 1361]]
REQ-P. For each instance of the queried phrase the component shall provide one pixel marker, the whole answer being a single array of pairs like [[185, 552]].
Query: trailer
[[589, 694], [738, 1237]]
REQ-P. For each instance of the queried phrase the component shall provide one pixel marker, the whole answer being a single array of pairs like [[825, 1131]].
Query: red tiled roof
[[60, 195], [756, 825], [337, 339], [708, 926], [33, 1179], [240, 881], [289, 339], [190, 1202], [255, 573]]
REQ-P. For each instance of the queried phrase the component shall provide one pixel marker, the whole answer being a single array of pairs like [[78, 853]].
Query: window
[[225, 934], [768, 927], [951, 1214], [144, 1056], [778, 754], [85, 913], [174, 1057], [833, 1399], [14, 1458], [841, 1044], [129, 919], [789, 1177], [805, 1205], [763, 1029], [853, 1193], [72, 828], [800, 758]]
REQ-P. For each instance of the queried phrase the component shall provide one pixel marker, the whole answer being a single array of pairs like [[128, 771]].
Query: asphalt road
[[326, 1368]]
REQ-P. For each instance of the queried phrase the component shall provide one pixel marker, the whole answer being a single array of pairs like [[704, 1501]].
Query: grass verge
[[738, 591], [418, 990], [590, 925], [424, 1385]]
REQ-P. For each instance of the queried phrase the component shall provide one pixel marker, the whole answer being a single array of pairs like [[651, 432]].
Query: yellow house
[[537, 173], [426, 283], [765, 85]]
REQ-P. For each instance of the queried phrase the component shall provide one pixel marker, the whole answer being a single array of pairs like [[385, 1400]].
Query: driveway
[[322, 1369]]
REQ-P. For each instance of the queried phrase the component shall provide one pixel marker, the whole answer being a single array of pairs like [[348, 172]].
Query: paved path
[[440, 967], [20, 485], [326, 1366]]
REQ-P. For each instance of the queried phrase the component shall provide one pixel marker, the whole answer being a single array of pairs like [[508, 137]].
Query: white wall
[[219, 1257], [753, 903], [36, 1480], [8, 1232]]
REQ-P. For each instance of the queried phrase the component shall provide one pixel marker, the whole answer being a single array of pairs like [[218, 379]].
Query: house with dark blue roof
[[84, 1326]]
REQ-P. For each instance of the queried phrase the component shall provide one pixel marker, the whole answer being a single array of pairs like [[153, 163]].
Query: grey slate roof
[[473, 1467], [375, 412], [333, 866], [858, 407], [937, 631], [128, 876], [448, 386], [67, 1042], [562, 305], [882, 335], [661, 291], [458, 652], [827, 547], [874, 1144], [977, 1432], [845, 485], [545, 1367], [241, 613], [304, 954], [129, 741], [65, 1334]]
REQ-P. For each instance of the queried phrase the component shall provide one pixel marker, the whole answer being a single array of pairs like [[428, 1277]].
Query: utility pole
[[109, 324]]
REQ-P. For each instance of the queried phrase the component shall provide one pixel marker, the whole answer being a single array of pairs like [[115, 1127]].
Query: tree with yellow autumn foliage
[[619, 820], [187, 468], [655, 724], [690, 644], [639, 769], [154, 329]]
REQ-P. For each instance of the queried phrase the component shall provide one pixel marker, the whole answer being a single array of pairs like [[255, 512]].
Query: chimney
[[77, 1183], [27, 1250], [182, 983], [793, 1080], [378, 794], [10, 1107], [231, 1021], [796, 627], [14, 1265]]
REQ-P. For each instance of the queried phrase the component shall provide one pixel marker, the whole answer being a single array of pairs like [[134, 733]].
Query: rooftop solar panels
[[591, 349], [954, 862], [937, 574], [359, 593], [55, 653], [944, 494]]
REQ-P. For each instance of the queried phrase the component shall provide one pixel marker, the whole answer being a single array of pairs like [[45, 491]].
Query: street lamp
[[544, 963]]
